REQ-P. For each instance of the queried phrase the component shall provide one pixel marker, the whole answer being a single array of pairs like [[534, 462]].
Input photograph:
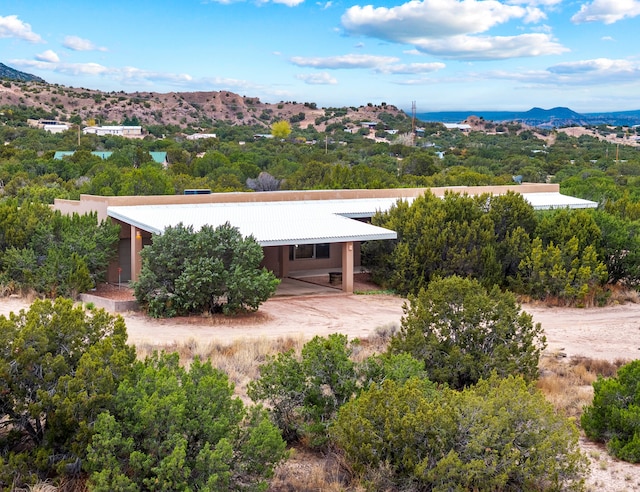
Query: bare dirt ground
[[610, 333]]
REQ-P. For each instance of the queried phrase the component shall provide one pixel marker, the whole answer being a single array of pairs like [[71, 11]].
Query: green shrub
[[173, 429], [304, 393], [614, 415], [214, 270], [463, 333], [499, 435], [59, 368]]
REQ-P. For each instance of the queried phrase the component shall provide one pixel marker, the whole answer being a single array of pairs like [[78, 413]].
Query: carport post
[[347, 267], [136, 247]]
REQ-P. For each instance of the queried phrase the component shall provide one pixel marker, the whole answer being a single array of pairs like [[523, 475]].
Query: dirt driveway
[[606, 333]]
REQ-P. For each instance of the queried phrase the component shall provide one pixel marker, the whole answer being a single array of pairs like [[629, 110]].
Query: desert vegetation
[[459, 398]]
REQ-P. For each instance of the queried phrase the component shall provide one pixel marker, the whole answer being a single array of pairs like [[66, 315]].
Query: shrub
[[614, 416], [173, 429], [214, 269], [304, 393], [463, 333], [59, 368], [498, 435]]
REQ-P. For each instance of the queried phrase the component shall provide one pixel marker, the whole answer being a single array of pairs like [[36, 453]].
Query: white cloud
[[491, 48], [545, 3], [288, 3], [76, 43], [125, 74], [599, 71], [451, 28], [12, 27], [322, 78], [65, 68], [602, 66], [137, 78], [411, 68], [344, 61], [420, 19], [606, 38], [48, 56], [607, 11]]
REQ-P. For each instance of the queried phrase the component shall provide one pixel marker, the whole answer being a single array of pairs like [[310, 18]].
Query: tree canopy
[[212, 270], [464, 333]]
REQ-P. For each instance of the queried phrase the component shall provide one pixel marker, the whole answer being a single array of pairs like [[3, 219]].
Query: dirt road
[[606, 333]]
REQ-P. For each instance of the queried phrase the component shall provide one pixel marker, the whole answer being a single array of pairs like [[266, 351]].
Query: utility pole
[[413, 122]]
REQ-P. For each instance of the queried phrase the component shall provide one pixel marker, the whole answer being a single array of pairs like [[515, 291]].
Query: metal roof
[[549, 200], [295, 222], [270, 223]]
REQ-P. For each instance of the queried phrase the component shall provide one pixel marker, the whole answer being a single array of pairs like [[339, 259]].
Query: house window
[[309, 251]]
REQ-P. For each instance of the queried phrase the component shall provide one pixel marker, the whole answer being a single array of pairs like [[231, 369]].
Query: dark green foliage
[[457, 235], [59, 368], [173, 429], [563, 260], [304, 393], [464, 333], [499, 435], [51, 253], [561, 272], [614, 415], [212, 270], [619, 248]]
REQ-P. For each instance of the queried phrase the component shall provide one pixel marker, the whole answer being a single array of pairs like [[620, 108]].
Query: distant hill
[[13, 74], [195, 109], [538, 117]]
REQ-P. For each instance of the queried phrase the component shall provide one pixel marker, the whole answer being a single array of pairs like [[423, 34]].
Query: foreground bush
[[59, 369], [212, 270], [173, 429], [499, 435], [614, 416], [463, 333], [304, 393]]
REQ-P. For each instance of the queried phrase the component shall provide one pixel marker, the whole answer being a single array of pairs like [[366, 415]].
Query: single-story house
[[298, 230], [457, 126], [119, 130], [52, 126], [200, 136]]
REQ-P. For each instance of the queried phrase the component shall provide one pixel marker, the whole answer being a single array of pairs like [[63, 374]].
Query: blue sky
[[445, 55]]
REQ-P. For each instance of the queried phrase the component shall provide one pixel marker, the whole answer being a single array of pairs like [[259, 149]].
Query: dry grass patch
[[618, 295], [567, 383], [309, 471]]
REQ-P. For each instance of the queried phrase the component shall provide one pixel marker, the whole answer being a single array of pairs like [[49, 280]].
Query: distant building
[[199, 136], [120, 131], [52, 126], [371, 125], [463, 127]]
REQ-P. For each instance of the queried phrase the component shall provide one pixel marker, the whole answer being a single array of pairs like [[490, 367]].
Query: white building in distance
[[120, 131]]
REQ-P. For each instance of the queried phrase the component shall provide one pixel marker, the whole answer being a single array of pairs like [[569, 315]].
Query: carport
[[281, 228]]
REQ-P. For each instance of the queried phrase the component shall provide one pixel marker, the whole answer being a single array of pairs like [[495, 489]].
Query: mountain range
[[234, 108], [13, 74], [538, 117]]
